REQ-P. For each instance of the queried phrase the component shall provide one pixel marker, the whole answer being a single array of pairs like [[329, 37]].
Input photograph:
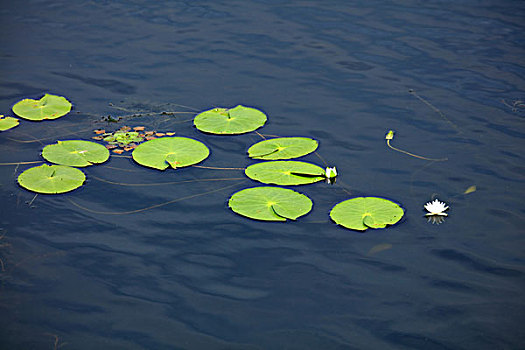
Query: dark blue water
[[447, 76]]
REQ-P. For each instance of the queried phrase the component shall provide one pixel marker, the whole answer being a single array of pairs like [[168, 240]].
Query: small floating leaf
[[237, 120], [282, 148], [7, 123], [270, 203], [48, 107], [76, 153], [51, 179], [362, 213], [285, 173], [175, 151], [470, 189]]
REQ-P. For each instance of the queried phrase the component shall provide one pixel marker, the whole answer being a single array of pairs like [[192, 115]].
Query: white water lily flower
[[436, 208], [331, 172]]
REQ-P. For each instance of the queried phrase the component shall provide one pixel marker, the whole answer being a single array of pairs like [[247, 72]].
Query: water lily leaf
[[237, 120], [7, 123], [51, 179], [75, 153], [282, 148], [270, 203], [48, 107], [285, 173], [366, 212], [176, 152], [470, 189]]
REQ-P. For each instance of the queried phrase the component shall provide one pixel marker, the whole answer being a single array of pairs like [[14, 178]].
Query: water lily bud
[[331, 172]]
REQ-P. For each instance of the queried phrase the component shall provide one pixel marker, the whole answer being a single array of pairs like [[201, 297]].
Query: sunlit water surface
[[447, 76]]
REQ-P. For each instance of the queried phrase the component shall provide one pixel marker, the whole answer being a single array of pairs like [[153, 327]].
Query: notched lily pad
[[270, 203], [51, 179], [164, 152], [48, 107], [76, 153], [237, 120], [362, 213], [285, 173], [7, 123], [283, 148]]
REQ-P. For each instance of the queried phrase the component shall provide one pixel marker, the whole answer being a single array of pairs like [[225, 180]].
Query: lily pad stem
[[18, 163], [390, 136], [216, 168]]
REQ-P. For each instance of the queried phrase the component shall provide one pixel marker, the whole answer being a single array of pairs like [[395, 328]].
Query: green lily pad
[[75, 153], [7, 123], [362, 213], [283, 148], [285, 173], [237, 120], [48, 107], [270, 203], [51, 179], [176, 152]]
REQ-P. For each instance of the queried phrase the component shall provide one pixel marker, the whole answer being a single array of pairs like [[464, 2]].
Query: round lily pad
[[285, 173], [283, 148], [270, 203], [48, 107], [75, 153], [237, 120], [362, 213], [176, 152], [7, 123], [51, 179]]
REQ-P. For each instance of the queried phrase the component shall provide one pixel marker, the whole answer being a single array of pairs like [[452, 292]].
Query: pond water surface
[[448, 76]]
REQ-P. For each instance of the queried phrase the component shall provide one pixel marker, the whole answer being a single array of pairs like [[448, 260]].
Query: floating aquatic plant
[[285, 173], [7, 123], [283, 148], [164, 152], [152, 149], [77, 153], [51, 179], [125, 139], [362, 213], [270, 203], [48, 107], [236, 120]]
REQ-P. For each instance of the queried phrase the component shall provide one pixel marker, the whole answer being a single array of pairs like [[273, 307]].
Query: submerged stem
[[152, 206]]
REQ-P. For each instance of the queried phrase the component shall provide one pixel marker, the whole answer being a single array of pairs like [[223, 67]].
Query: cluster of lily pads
[[124, 139], [274, 168]]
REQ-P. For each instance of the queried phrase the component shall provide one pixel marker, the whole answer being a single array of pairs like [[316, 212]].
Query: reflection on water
[[191, 274]]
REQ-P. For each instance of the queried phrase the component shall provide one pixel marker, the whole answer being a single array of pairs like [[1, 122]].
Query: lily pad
[[283, 148], [270, 203], [51, 179], [362, 213], [176, 152], [237, 120], [75, 153], [48, 107], [285, 173], [7, 123]]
